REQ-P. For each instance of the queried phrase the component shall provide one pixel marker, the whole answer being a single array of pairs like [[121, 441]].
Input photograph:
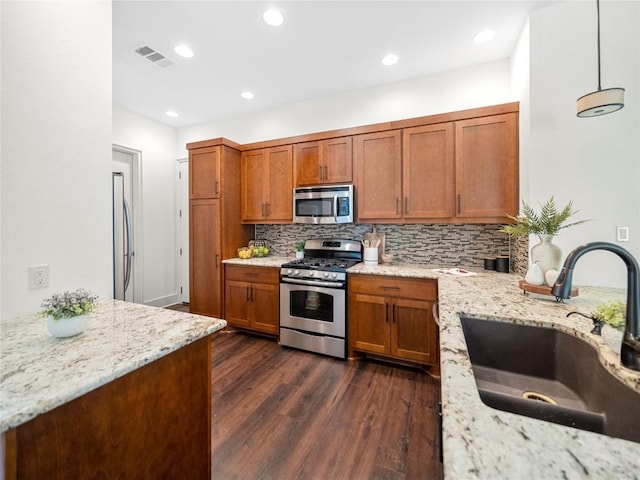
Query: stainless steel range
[[313, 296]]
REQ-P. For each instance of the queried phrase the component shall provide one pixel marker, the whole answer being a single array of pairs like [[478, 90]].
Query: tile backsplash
[[436, 244]]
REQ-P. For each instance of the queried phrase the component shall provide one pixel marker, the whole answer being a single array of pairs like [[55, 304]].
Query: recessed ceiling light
[[390, 59], [273, 17], [171, 113], [247, 95], [183, 51], [484, 36]]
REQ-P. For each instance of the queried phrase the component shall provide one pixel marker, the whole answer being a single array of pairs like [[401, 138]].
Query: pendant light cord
[[598, 15]]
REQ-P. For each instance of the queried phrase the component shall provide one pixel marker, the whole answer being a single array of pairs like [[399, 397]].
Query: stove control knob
[[310, 274], [334, 275], [289, 271], [296, 272], [326, 274]]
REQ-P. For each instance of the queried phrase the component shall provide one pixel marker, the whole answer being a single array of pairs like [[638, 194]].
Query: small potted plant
[[299, 246], [66, 312], [545, 224]]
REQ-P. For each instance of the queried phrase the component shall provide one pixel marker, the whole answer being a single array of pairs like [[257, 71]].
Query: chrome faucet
[[630, 349]]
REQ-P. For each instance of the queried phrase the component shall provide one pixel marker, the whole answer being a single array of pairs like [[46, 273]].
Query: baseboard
[[163, 301]]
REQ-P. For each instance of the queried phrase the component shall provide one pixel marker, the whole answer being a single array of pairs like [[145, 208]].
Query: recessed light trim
[[484, 36], [273, 17], [171, 113], [183, 51], [390, 59], [247, 95]]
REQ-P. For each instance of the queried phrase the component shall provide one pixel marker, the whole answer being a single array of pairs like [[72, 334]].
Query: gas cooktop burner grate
[[335, 264]]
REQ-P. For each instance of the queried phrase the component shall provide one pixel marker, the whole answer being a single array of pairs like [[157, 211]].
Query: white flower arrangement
[[69, 304]]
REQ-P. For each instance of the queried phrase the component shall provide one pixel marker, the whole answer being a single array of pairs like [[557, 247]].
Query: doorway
[[183, 229], [127, 239]]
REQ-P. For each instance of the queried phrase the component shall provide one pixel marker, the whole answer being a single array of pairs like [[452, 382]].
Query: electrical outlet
[[38, 276]]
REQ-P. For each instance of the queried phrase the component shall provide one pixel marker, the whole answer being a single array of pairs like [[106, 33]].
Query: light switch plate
[[622, 234]]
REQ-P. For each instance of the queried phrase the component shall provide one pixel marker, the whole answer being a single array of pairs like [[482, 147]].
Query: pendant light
[[602, 101]]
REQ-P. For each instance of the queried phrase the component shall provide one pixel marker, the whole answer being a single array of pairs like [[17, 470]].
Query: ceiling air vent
[[153, 56]]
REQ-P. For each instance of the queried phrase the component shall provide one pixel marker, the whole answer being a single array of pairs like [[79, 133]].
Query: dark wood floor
[[284, 414]]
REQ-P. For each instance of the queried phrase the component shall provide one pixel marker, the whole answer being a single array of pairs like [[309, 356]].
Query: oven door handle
[[316, 283]]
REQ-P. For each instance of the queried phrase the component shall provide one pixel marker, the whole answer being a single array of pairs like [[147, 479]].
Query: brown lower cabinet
[[252, 298], [393, 317]]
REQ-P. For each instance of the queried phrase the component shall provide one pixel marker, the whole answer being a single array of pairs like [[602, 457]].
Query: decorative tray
[[542, 289]]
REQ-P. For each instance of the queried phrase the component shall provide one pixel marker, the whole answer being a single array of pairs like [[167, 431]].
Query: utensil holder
[[371, 255]]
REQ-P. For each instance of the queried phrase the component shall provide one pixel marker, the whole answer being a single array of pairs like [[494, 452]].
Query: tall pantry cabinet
[[214, 189]]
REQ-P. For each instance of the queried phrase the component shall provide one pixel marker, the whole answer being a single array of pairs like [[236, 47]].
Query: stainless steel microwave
[[323, 204]]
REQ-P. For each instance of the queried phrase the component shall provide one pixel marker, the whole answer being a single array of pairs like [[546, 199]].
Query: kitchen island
[[480, 442], [130, 397]]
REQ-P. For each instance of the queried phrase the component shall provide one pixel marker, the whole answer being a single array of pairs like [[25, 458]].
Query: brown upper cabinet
[[451, 172], [378, 175], [405, 175], [267, 185], [487, 168], [323, 161], [427, 172], [204, 172]]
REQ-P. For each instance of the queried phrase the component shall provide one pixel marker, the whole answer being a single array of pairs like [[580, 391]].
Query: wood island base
[[154, 422]]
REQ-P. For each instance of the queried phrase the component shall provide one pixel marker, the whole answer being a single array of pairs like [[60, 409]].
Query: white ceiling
[[322, 48]]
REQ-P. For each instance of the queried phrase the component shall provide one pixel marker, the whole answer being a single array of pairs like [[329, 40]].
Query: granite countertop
[[484, 443], [268, 261], [39, 372]]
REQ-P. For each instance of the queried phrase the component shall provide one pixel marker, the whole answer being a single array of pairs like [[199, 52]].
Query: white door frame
[[136, 184], [182, 267]]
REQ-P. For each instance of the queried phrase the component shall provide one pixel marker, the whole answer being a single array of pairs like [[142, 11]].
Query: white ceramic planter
[[546, 254], [299, 255], [67, 327]]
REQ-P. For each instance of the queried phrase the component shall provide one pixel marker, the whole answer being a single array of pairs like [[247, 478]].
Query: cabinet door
[[378, 169], [307, 159], [369, 323], [427, 172], [237, 303], [338, 160], [254, 188], [279, 203], [205, 267], [413, 335], [487, 167], [266, 307], [204, 173]]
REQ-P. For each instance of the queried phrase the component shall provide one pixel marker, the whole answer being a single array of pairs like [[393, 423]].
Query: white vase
[[299, 254], [546, 254], [67, 327]]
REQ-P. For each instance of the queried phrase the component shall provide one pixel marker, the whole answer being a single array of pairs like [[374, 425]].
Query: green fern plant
[[549, 221]]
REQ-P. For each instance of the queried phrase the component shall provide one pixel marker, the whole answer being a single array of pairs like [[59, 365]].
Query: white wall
[[56, 149], [472, 87], [593, 161], [159, 198]]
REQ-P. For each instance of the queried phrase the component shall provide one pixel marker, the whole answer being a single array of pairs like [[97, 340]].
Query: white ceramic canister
[[370, 255]]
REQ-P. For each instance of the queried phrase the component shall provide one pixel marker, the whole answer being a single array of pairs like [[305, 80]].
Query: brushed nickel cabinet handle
[[320, 172], [266, 209], [217, 187], [397, 204], [459, 202], [325, 173], [406, 204]]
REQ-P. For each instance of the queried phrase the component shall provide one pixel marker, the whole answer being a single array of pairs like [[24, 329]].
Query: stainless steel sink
[[549, 375]]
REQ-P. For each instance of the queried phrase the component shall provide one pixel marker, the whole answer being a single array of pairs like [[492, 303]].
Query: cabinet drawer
[[252, 274], [422, 289]]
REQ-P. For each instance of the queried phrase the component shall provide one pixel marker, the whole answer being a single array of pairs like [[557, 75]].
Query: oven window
[[312, 305], [314, 207]]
